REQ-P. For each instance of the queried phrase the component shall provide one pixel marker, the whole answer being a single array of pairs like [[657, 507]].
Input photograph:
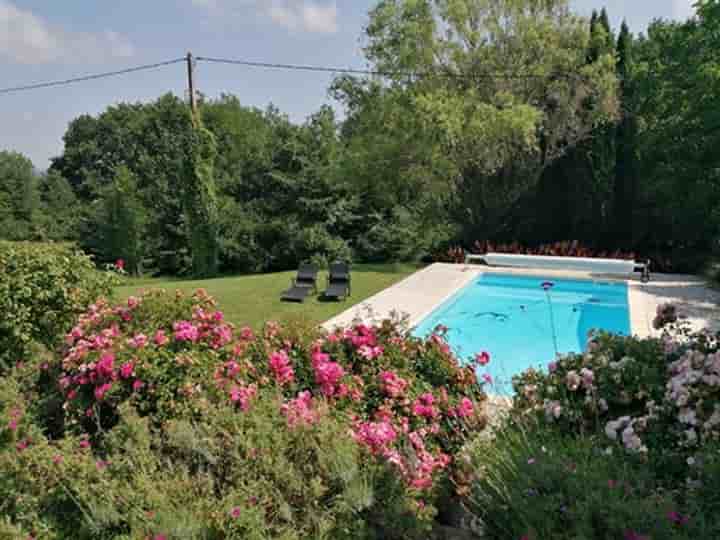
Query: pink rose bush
[[411, 404], [169, 373]]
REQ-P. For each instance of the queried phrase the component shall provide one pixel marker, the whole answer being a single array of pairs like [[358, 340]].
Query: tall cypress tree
[[625, 186], [604, 22]]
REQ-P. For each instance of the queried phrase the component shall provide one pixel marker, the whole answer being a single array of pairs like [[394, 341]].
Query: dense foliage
[[169, 421], [470, 134], [43, 288], [621, 440]]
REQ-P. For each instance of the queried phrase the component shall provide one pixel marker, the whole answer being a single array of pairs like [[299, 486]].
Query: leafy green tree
[[120, 222], [625, 185], [676, 84], [501, 112], [59, 215], [18, 196]]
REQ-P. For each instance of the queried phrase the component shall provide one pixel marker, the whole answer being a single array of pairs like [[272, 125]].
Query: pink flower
[[160, 338], [235, 512], [393, 385], [138, 341], [370, 353], [677, 518], [465, 408], [101, 464], [376, 435], [133, 302], [243, 396], [159, 537], [186, 331], [57, 459], [487, 378], [327, 375], [126, 370], [300, 411], [101, 390], [84, 444], [482, 359], [106, 365], [218, 316], [22, 445], [423, 406], [12, 425], [137, 385], [281, 368], [120, 264], [552, 367]]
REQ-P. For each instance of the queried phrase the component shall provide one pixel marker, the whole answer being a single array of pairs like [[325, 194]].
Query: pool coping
[[420, 294]]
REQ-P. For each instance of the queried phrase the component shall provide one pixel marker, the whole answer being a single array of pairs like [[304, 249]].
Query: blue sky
[[49, 39]]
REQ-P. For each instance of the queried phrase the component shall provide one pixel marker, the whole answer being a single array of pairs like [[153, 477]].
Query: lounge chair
[[303, 284], [339, 282]]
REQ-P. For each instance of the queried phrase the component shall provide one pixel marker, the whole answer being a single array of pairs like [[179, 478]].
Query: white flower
[[611, 430], [572, 380], [603, 405], [688, 416]]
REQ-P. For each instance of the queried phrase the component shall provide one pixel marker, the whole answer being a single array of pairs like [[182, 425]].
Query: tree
[[120, 222], [18, 196], [199, 200], [624, 188], [502, 86], [676, 84], [59, 216]]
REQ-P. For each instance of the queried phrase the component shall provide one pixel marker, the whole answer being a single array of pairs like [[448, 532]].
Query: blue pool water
[[510, 318]]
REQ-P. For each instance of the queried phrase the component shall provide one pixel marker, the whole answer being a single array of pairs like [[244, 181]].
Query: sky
[[45, 40]]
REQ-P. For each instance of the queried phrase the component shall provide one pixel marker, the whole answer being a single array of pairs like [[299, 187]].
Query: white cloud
[[27, 39], [305, 15], [315, 16], [683, 9]]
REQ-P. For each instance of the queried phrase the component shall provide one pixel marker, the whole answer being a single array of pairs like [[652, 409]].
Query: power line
[[270, 65], [295, 67], [89, 77], [357, 71]]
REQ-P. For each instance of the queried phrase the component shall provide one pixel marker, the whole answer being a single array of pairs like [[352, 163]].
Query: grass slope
[[252, 300]]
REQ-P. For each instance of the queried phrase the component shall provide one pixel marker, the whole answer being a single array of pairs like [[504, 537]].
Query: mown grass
[[251, 300]]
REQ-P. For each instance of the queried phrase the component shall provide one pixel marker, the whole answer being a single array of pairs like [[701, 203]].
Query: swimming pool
[[524, 321]]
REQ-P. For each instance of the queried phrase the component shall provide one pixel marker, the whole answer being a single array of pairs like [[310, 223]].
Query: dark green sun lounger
[[338, 281], [303, 284]]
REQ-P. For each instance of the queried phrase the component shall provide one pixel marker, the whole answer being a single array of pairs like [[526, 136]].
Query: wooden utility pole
[[191, 83]]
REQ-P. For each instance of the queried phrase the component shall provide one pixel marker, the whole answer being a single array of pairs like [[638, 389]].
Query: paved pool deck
[[421, 293]]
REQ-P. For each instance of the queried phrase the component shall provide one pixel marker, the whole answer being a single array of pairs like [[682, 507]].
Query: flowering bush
[[404, 405], [43, 287], [229, 476], [538, 484], [567, 248], [656, 396]]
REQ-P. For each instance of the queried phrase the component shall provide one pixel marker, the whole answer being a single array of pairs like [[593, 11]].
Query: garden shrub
[[353, 433], [537, 484], [659, 397], [229, 476], [641, 414], [43, 287]]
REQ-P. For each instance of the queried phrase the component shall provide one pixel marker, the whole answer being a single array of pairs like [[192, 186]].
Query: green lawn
[[252, 300]]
